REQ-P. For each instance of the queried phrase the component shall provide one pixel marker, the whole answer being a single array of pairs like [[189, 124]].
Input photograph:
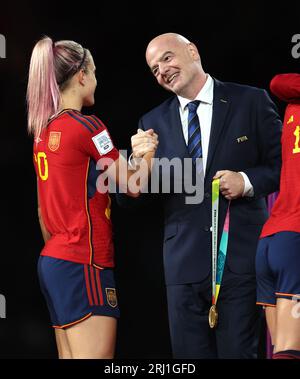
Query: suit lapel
[[174, 129], [220, 108]]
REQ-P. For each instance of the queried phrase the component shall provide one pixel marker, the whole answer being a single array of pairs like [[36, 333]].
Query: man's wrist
[[248, 188]]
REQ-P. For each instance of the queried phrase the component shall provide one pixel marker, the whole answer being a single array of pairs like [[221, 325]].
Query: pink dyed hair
[[51, 68]]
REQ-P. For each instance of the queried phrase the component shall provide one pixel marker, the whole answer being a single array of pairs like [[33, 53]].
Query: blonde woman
[[76, 265]]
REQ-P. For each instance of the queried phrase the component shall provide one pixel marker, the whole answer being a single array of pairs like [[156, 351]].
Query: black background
[[243, 42]]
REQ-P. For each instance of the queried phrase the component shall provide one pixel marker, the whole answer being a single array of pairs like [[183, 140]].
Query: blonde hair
[[52, 65]]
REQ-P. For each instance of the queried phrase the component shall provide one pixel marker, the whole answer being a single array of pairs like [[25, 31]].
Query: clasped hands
[[144, 142]]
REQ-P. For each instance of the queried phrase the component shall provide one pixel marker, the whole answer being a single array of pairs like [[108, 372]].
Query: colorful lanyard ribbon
[[218, 259]]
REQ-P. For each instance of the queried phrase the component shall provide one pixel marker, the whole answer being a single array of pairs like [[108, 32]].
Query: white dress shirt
[[204, 112]]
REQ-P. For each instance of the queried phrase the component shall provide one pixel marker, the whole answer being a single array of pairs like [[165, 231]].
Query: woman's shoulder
[[82, 122]]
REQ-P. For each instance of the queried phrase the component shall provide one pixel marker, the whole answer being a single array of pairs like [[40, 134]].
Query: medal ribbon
[[218, 259]]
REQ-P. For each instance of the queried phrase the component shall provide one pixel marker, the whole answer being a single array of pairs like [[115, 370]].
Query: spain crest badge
[[54, 140], [111, 297]]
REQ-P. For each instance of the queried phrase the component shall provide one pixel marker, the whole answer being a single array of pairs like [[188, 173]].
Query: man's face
[[173, 63]]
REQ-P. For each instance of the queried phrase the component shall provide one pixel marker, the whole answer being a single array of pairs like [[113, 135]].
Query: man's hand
[[143, 142], [231, 184]]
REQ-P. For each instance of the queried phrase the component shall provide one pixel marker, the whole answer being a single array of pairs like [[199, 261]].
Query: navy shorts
[[278, 268], [75, 291]]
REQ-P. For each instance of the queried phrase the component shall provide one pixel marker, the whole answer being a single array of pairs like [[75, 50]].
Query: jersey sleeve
[[286, 87], [96, 142]]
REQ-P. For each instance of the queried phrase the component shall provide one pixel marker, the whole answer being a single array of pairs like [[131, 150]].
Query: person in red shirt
[[278, 252], [73, 155]]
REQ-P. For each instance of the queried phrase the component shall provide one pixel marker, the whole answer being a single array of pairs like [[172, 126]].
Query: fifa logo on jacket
[[2, 46]]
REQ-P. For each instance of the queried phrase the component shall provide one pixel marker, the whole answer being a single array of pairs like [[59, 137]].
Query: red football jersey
[[76, 215], [285, 214]]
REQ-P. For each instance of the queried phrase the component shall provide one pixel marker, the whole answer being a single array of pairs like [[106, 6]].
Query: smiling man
[[171, 59], [230, 132]]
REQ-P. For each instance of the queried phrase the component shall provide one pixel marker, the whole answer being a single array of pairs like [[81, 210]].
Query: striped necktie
[[195, 149], [194, 134]]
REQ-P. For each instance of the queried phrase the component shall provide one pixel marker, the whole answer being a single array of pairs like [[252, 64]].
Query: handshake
[[144, 142]]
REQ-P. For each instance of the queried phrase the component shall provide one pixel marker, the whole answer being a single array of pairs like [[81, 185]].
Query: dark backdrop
[[246, 43]]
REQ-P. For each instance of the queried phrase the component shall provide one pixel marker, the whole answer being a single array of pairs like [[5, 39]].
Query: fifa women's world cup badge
[[54, 140]]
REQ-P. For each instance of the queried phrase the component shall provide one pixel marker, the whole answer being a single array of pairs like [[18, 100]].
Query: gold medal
[[213, 316]]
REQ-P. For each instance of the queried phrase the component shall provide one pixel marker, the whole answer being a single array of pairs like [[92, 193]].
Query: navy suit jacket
[[238, 111]]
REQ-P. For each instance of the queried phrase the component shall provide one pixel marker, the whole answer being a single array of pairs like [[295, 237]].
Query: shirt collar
[[205, 95]]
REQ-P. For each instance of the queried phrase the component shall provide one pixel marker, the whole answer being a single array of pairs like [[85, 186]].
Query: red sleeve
[[286, 87], [95, 140]]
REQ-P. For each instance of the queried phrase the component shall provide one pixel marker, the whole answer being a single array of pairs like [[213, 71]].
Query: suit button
[[207, 195], [206, 228]]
